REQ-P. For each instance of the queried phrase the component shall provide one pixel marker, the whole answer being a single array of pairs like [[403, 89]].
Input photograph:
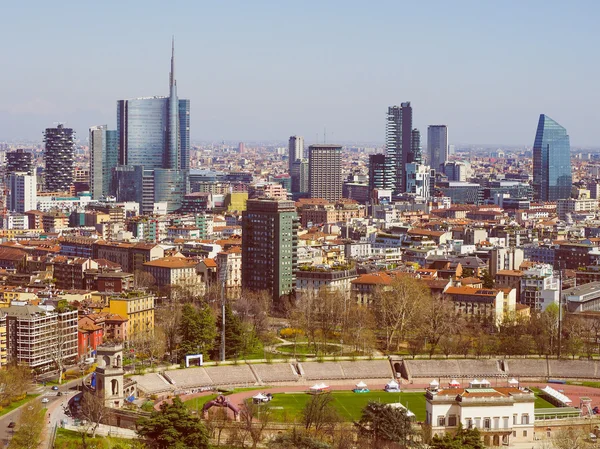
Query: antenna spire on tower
[[172, 81]]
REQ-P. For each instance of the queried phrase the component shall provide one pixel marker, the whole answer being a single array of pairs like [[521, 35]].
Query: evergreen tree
[[462, 439], [173, 427], [197, 330], [235, 338], [381, 423]]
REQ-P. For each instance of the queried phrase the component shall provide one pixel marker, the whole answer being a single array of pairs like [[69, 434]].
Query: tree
[[14, 383], [234, 335], [487, 279], [60, 349], [173, 427], [397, 310], [252, 307], [255, 418], [319, 412], [574, 331], [382, 423], [572, 439], [149, 345], [358, 331], [462, 439], [438, 320], [29, 427], [93, 411], [142, 280], [197, 330], [168, 320], [296, 440]]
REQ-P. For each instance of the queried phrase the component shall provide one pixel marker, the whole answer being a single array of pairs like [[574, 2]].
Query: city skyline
[[240, 81]]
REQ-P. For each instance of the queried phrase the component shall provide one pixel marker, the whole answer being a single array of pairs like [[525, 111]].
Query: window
[[486, 423], [452, 421], [505, 424], [469, 423], [496, 423], [478, 423], [524, 433], [525, 418], [441, 421], [514, 419]]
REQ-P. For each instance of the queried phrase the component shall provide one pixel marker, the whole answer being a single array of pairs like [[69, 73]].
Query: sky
[[265, 70]]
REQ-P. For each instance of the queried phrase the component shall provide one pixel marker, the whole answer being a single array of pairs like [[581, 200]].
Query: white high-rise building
[[437, 145], [418, 180], [296, 150], [23, 192]]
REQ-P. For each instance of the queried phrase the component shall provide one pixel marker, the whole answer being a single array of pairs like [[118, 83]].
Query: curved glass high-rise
[[154, 133], [552, 179]]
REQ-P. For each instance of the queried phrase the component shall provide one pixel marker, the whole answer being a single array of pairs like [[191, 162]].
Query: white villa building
[[502, 414]]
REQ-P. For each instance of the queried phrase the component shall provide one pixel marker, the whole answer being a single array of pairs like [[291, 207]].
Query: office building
[[398, 143], [59, 158], [455, 171], [299, 175], [269, 247], [461, 192], [415, 155], [379, 176], [22, 189], [552, 178], [19, 161], [437, 145], [325, 171], [296, 150], [418, 180], [104, 157], [37, 336], [539, 287], [154, 133]]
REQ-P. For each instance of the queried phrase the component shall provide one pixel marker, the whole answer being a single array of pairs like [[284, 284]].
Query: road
[[55, 408]]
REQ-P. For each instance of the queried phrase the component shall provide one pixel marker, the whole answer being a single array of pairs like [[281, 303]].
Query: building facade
[[22, 192], [325, 172], [398, 143], [59, 158], [437, 145], [269, 247], [552, 178], [104, 156], [19, 161]]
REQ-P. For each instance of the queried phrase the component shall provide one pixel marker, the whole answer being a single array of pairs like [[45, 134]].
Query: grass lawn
[[198, 403], [540, 402], [586, 384], [288, 407], [69, 439], [16, 404]]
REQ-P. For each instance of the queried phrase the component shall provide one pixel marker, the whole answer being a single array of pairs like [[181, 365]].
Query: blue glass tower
[[154, 132], [552, 179]]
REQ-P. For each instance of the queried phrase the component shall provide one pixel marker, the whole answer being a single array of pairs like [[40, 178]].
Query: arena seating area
[[152, 383], [231, 374], [526, 368], [585, 369], [367, 369], [189, 378], [322, 371], [275, 372]]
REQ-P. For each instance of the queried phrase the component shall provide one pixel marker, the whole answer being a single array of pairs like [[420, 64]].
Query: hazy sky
[[268, 69]]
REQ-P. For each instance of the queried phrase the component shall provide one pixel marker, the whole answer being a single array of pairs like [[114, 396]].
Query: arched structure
[[221, 401]]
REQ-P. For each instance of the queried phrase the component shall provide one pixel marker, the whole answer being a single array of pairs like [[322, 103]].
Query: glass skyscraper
[[154, 132], [103, 158], [552, 179]]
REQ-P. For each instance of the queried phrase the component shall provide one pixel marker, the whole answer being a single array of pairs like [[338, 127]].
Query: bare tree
[[255, 418], [14, 383], [29, 427], [168, 319], [572, 439], [397, 310], [94, 412], [59, 351], [358, 331], [142, 280], [319, 413], [437, 321]]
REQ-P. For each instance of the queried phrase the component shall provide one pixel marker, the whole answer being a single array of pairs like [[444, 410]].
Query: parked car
[[54, 387], [12, 424], [45, 400]]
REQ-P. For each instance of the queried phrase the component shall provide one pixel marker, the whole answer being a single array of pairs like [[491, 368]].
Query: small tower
[[109, 374]]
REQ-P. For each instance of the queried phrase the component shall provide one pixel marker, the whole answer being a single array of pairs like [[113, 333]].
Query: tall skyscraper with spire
[[154, 135]]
